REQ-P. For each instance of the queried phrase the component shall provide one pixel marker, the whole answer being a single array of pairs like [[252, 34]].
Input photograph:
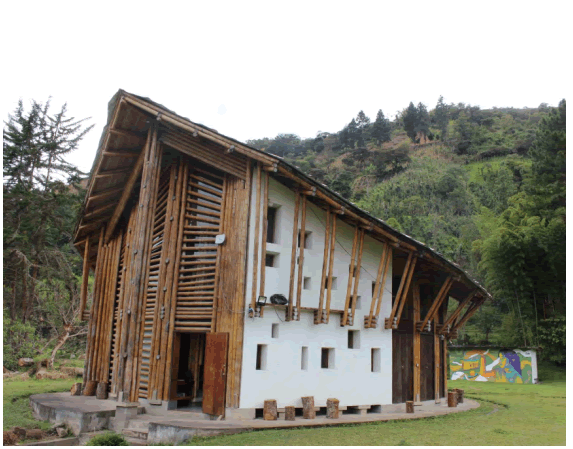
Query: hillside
[[456, 184]]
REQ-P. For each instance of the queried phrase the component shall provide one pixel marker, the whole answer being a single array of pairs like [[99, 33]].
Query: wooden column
[[330, 267], [416, 344], [302, 234], [323, 279], [85, 279], [436, 362], [256, 241], [264, 239], [444, 328], [390, 322], [289, 313], [445, 362], [357, 275], [136, 273], [344, 318], [442, 294]]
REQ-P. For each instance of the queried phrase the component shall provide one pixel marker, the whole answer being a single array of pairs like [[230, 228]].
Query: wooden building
[[195, 239]]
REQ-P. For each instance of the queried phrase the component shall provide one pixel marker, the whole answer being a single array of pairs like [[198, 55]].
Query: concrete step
[[139, 423], [140, 434], [135, 441]]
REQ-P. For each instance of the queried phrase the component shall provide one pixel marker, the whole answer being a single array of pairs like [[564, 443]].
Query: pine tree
[[410, 119], [422, 121], [362, 123], [441, 117], [381, 129]]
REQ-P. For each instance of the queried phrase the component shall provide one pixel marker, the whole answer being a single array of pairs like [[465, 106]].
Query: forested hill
[[486, 188]]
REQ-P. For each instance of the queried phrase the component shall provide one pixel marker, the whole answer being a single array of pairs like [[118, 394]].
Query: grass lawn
[[17, 410], [509, 415]]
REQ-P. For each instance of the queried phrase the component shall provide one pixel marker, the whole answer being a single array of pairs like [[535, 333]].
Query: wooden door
[[402, 367], [427, 370], [215, 374]]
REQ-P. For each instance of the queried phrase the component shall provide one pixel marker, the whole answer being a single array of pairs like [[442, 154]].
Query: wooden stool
[[452, 398], [409, 406], [332, 410], [460, 393], [270, 410], [308, 407], [289, 413]]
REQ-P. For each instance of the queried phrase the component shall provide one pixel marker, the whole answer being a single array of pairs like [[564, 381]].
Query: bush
[[108, 439]]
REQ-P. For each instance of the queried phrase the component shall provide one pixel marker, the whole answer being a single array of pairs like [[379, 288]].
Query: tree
[[422, 125], [362, 123], [42, 196], [350, 135], [381, 129], [441, 116], [410, 118]]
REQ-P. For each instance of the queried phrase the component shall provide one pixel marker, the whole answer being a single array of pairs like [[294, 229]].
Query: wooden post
[[293, 257], [101, 392], [416, 344], [290, 413], [445, 362], [436, 303], [383, 283], [90, 388], [460, 395], [308, 407], [76, 389], [85, 279], [270, 410], [436, 362], [377, 286], [332, 410], [330, 267], [344, 318], [390, 320], [357, 275], [323, 279], [457, 312], [256, 241], [409, 406], [302, 235], [405, 292], [264, 239], [452, 399]]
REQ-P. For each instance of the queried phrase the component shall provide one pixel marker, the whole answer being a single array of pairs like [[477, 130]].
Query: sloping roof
[[123, 133]]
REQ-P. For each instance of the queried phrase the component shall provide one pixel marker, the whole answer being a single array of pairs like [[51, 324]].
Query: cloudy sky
[[256, 69]]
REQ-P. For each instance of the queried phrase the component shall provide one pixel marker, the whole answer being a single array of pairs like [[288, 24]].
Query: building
[[224, 276]]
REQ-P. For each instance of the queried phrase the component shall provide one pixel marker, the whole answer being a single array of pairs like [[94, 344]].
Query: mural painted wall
[[494, 365]]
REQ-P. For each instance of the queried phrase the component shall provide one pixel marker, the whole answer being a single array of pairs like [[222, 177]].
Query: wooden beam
[[456, 313], [383, 283], [293, 257], [126, 133], [302, 234], [85, 279], [126, 194], [107, 173], [436, 303], [330, 267], [104, 194], [123, 154], [376, 293], [390, 320], [405, 293], [98, 211], [436, 362], [469, 313]]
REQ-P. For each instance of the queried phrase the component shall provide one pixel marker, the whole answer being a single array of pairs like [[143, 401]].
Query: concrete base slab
[[86, 414]]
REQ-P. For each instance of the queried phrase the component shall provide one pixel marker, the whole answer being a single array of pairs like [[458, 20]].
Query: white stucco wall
[[351, 380]]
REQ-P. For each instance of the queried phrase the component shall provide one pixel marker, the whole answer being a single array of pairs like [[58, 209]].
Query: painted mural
[[493, 365]]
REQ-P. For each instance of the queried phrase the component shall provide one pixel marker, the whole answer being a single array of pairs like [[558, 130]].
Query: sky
[[256, 69]]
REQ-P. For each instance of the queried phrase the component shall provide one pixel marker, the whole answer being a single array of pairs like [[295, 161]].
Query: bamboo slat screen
[[199, 254], [116, 315], [151, 292]]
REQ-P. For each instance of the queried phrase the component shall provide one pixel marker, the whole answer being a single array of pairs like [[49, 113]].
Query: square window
[[353, 339], [327, 358], [306, 283], [272, 220], [261, 363], [375, 360], [275, 330], [304, 358], [272, 260]]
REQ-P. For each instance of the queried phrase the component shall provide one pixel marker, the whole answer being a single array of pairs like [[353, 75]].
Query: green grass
[[509, 415], [17, 410]]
